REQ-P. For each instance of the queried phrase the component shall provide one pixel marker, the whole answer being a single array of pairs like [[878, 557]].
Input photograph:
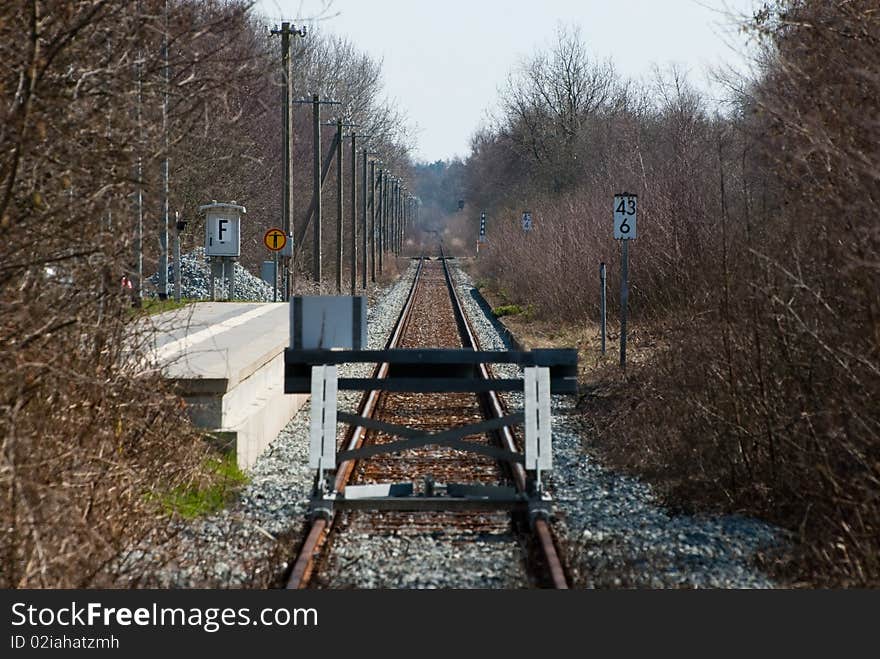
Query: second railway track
[[336, 548]]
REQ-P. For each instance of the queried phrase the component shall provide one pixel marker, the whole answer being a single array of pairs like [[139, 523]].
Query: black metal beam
[[538, 357], [421, 504], [431, 370], [303, 384]]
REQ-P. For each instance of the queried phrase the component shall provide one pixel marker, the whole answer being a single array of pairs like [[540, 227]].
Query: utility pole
[[339, 206], [316, 256], [392, 213], [287, 151], [354, 213], [397, 221], [380, 247], [411, 202], [389, 214], [398, 207], [287, 144], [386, 214], [389, 242], [407, 202], [373, 221], [386, 210], [163, 228], [299, 237], [364, 224], [137, 280]]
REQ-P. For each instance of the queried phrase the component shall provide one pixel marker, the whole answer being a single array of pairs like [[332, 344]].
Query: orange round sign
[[275, 240]]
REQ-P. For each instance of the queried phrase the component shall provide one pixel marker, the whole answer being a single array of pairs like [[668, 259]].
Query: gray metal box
[[267, 272], [325, 322]]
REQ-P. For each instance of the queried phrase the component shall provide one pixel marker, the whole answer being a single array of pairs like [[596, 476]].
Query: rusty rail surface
[[496, 409], [419, 326]]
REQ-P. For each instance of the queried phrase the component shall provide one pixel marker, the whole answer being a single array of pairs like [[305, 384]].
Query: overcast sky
[[445, 60]]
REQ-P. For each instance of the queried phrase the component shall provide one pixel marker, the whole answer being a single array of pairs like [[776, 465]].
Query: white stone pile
[[195, 280]]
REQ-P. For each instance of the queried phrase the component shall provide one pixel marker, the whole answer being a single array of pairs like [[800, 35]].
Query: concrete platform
[[227, 361]]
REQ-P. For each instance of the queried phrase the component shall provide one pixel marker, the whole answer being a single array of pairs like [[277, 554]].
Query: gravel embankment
[[248, 544], [612, 530], [195, 281]]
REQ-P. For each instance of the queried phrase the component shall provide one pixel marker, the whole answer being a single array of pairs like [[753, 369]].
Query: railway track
[[432, 317]]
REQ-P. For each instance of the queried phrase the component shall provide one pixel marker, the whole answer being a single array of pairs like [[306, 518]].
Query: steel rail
[[320, 528], [497, 409], [311, 547]]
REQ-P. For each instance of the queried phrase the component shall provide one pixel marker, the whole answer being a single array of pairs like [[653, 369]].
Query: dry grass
[[756, 272]]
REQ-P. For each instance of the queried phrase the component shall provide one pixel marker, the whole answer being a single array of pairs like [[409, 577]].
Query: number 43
[[627, 206]]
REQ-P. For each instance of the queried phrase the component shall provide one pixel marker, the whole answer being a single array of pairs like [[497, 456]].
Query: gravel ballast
[[612, 530], [443, 560], [249, 544]]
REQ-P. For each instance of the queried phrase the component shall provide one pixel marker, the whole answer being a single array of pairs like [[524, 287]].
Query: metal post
[[316, 256], [364, 225], [339, 205], [275, 277], [603, 279], [177, 272], [354, 214], [624, 300], [373, 221], [230, 266]]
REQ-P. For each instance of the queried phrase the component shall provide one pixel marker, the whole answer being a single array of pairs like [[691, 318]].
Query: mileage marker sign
[[625, 206]]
